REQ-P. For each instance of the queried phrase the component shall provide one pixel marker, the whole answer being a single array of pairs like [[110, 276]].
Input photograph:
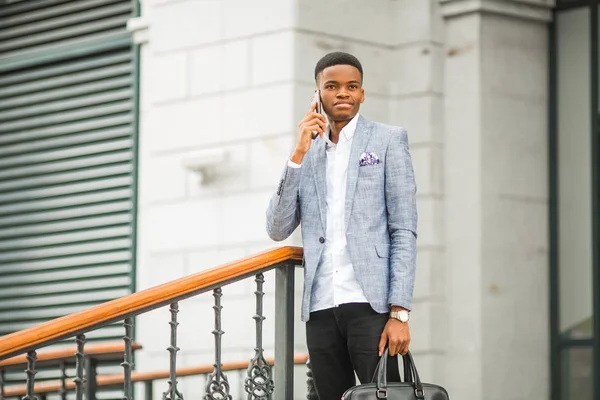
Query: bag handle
[[407, 370], [412, 376], [407, 374]]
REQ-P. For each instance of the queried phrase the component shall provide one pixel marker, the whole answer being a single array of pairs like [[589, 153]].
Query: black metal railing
[[147, 380], [261, 381]]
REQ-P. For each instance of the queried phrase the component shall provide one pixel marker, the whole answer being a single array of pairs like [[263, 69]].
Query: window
[[575, 201], [67, 158]]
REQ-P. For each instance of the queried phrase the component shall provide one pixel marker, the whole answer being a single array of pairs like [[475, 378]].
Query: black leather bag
[[410, 389]]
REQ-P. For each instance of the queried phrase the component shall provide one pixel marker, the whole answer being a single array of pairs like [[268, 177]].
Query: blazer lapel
[[319, 164], [359, 145]]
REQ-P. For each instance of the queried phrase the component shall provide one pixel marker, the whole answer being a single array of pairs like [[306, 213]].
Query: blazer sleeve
[[401, 204], [283, 212]]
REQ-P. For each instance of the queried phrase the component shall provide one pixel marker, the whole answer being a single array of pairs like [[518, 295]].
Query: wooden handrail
[[146, 300], [117, 379], [98, 350]]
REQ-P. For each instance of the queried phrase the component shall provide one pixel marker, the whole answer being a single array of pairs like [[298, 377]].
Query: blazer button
[[322, 239]]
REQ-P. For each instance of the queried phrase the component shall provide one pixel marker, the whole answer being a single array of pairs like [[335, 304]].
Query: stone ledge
[[536, 10], [139, 27]]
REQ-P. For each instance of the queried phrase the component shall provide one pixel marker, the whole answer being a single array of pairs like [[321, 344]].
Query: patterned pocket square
[[369, 158]]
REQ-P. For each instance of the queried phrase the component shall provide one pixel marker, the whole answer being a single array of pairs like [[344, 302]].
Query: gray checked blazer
[[380, 213]]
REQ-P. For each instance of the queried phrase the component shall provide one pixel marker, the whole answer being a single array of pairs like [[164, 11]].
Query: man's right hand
[[312, 122]]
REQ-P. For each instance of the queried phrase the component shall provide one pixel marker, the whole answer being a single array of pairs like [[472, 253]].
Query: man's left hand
[[396, 335]]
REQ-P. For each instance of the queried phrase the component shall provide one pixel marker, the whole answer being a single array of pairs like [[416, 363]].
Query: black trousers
[[344, 340]]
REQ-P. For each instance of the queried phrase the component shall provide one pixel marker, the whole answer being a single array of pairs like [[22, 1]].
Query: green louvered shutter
[[67, 168]]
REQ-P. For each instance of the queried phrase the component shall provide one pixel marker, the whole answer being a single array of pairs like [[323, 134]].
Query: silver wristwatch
[[401, 315]]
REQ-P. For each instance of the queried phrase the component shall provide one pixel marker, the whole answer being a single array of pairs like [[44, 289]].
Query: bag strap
[[410, 375], [407, 373]]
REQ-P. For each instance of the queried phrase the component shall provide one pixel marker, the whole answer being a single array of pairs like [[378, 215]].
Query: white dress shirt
[[334, 281]]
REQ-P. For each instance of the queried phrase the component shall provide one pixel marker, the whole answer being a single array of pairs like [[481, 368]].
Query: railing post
[[91, 373], [148, 390], [127, 363], [259, 382], [30, 371], [173, 393], [284, 332], [63, 380], [1, 384], [217, 385], [79, 361]]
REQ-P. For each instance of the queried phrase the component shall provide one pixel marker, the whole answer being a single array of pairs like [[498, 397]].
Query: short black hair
[[337, 58]]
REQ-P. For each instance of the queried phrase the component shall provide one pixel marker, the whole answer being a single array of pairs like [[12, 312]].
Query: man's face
[[341, 92]]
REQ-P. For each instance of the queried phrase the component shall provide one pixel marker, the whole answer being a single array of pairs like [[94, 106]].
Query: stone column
[[495, 112]]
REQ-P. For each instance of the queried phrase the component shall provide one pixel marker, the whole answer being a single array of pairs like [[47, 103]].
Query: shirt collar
[[349, 129]]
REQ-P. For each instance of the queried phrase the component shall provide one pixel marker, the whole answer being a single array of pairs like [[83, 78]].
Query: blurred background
[[140, 142]]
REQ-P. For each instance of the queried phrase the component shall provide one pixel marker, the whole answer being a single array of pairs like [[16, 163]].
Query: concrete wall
[[235, 75], [215, 75]]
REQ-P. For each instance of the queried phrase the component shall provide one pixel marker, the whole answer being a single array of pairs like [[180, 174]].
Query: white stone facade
[[467, 79]]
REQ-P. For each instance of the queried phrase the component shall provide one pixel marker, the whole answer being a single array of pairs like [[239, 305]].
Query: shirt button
[[322, 239]]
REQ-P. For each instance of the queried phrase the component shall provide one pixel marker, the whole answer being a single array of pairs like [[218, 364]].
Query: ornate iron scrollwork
[[63, 380], [259, 381], [127, 363], [30, 371], [79, 360], [172, 393], [217, 386], [311, 391]]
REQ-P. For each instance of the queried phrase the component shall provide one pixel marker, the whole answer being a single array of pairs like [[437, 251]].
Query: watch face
[[403, 316]]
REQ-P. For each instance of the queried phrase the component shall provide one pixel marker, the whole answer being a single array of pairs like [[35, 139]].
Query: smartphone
[[318, 108], [317, 99]]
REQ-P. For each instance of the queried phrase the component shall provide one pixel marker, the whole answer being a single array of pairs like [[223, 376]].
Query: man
[[355, 195]]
